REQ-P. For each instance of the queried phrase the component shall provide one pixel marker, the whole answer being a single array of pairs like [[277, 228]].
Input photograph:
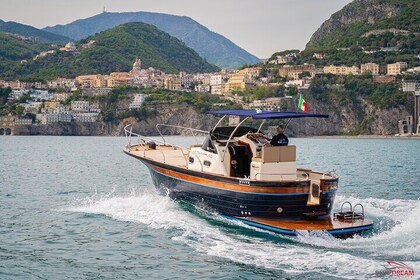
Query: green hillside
[[13, 50], [371, 24], [32, 33], [115, 50], [215, 48], [377, 31]]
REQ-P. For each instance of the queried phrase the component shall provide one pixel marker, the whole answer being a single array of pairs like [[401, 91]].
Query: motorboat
[[237, 174]]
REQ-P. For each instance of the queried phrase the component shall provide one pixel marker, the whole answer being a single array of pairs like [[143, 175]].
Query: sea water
[[79, 208]]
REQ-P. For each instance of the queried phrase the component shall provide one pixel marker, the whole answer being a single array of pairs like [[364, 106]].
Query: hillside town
[[46, 100]]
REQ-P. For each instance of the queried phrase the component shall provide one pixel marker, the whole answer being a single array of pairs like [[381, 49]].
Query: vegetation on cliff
[[349, 26], [13, 50], [7, 107], [4, 94], [356, 56], [344, 90], [283, 53], [263, 92], [379, 31]]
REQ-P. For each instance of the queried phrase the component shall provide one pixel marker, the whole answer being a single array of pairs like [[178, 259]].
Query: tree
[[304, 74], [19, 110]]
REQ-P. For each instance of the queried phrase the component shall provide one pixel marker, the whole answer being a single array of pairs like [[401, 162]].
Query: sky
[[261, 27]]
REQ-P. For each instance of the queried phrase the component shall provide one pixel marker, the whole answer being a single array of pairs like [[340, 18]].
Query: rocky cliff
[[356, 118], [358, 11], [179, 115]]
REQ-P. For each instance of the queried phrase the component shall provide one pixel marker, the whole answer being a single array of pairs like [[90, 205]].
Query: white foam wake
[[396, 233], [351, 258], [141, 205]]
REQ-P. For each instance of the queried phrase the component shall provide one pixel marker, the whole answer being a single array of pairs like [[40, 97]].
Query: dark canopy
[[266, 114]]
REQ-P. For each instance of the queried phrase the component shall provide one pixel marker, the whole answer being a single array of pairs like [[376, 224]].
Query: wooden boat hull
[[337, 228], [257, 209], [228, 197]]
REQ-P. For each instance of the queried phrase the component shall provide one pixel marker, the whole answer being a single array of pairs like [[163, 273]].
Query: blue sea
[[79, 208]]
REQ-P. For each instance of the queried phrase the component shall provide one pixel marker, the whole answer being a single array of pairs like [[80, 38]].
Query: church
[[136, 71]]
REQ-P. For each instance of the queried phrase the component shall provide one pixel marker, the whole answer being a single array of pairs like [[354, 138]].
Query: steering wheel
[[254, 136]]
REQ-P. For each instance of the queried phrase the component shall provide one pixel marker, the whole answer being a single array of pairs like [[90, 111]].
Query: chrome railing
[[143, 140], [329, 173], [192, 130]]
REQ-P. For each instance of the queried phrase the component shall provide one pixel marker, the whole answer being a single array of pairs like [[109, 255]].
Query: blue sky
[[261, 27]]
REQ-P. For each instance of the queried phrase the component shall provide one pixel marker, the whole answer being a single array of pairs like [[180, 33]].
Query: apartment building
[[396, 68], [371, 68], [342, 70]]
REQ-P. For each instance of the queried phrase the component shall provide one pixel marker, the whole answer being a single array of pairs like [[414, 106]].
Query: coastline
[[364, 137], [181, 135]]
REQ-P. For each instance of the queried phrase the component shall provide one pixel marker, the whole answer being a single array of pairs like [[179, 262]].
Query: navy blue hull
[[236, 203]]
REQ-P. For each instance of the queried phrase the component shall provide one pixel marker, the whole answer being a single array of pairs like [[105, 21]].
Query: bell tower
[[136, 67]]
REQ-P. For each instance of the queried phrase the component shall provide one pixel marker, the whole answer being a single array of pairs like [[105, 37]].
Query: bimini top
[[266, 114]]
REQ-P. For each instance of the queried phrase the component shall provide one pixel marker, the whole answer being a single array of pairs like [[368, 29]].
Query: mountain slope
[[215, 48], [115, 50], [13, 50], [389, 22], [31, 33]]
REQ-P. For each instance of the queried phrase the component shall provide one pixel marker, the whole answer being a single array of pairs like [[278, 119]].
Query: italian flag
[[303, 105]]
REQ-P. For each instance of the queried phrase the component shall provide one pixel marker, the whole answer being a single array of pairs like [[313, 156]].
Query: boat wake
[[394, 238], [396, 228]]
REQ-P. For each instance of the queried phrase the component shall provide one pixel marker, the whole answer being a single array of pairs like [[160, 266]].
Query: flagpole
[[297, 101]]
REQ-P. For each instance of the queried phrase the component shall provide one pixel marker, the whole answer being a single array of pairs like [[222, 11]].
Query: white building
[[301, 83], [137, 102], [32, 107], [85, 117], [38, 94], [202, 88], [410, 86], [62, 83], [49, 118], [69, 47], [282, 59], [16, 94], [61, 96], [94, 108], [217, 79], [80, 106], [65, 117], [23, 121], [56, 117], [186, 80]]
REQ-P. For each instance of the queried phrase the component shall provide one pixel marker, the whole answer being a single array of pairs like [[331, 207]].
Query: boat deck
[[166, 154], [177, 156]]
